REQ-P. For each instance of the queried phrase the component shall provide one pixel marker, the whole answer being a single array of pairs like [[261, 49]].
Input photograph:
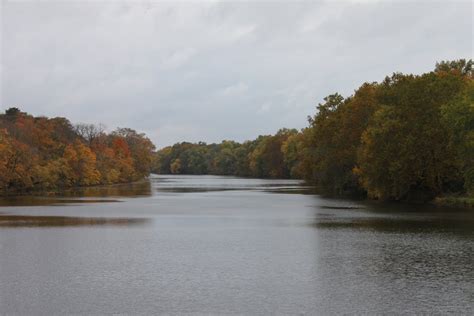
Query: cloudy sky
[[213, 70]]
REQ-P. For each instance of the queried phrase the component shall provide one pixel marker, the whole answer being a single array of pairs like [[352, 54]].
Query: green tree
[[405, 152], [458, 119], [176, 166]]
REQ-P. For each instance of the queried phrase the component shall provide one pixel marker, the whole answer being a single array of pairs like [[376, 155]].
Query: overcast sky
[[212, 71]]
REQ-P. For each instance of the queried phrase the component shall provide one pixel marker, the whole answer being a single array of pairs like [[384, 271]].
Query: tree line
[[40, 153], [264, 157], [409, 137]]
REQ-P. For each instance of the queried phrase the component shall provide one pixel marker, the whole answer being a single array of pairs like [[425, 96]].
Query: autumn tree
[[408, 137], [40, 153], [405, 152], [457, 117]]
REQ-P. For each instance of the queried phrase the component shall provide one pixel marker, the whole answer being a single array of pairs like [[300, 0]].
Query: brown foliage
[[38, 153]]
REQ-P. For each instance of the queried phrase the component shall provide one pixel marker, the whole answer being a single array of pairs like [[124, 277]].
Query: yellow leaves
[[80, 165], [175, 166], [49, 175], [70, 154], [357, 171], [111, 176], [5, 154], [43, 153]]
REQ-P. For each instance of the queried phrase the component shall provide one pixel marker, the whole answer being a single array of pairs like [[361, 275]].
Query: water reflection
[[247, 252], [136, 189], [291, 190], [204, 184], [398, 225], [282, 190], [97, 194], [394, 218], [43, 201], [195, 189], [60, 221], [340, 207]]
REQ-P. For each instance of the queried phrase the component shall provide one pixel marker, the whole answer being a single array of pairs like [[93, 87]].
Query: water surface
[[225, 245]]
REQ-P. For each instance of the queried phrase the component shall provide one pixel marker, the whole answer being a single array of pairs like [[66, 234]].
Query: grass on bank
[[456, 200]]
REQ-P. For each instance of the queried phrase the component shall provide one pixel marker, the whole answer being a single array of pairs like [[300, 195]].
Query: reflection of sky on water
[[223, 244], [202, 184]]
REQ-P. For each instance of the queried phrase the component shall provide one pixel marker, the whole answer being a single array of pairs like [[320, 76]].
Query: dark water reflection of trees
[[96, 194], [397, 218], [58, 221]]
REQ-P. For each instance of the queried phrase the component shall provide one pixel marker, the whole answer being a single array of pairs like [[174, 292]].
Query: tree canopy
[[408, 137], [39, 153], [262, 157]]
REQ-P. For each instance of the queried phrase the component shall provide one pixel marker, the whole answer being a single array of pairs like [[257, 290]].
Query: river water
[[225, 245]]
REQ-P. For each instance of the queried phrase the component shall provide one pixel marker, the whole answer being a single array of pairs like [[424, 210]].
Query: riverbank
[[455, 201], [448, 200], [82, 190]]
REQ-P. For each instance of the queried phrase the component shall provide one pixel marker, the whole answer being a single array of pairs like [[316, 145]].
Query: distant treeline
[[265, 157], [408, 137], [40, 153]]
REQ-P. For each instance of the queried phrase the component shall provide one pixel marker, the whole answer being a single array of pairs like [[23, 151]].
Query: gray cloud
[[212, 71]]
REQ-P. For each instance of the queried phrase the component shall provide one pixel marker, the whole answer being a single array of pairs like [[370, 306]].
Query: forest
[[50, 154], [265, 157], [409, 137]]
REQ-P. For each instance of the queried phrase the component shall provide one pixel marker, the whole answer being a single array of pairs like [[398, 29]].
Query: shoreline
[[457, 201], [464, 201], [73, 189], [461, 201]]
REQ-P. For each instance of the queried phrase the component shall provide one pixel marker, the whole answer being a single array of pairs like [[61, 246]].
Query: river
[[226, 245]]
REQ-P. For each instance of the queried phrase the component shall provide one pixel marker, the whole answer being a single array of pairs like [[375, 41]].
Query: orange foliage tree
[[38, 153]]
